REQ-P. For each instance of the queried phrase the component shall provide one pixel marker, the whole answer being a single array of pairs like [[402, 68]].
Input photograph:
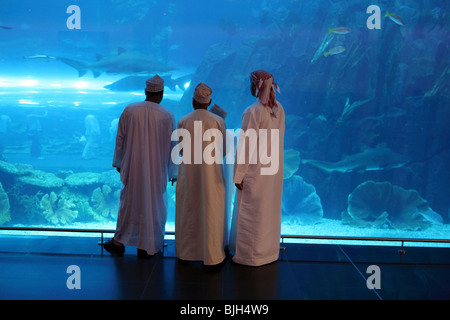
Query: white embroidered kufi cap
[[202, 93], [155, 84]]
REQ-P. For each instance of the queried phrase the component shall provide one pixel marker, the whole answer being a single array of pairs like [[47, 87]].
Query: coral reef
[[8, 168], [85, 211], [111, 178], [291, 162], [383, 205], [82, 179], [300, 203], [5, 215], [42, 179], [27, 206], [106, 202], [61, 199], [58, 209]]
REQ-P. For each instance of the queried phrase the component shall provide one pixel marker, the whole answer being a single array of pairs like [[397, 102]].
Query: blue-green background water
[[367, 149]]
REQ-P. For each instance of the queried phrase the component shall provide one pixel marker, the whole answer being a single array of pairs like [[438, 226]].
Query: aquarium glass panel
[[364, 86]]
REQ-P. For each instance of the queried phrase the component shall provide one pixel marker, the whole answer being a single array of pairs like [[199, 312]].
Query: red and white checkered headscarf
[[265, 87]]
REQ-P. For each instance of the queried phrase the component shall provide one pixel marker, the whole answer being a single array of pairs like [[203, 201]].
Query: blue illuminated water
[[387, 93]]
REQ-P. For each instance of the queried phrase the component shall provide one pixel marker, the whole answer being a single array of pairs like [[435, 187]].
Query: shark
[[40, 57], [125, 62], [132, 83], [371, 159]]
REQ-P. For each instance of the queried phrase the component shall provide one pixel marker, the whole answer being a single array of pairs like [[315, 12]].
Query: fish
[[371, 159], [333, 51], [40, 57], [325, 42], [339, 30], [5, 28], [125, 62], [132, 83], [394, 18]]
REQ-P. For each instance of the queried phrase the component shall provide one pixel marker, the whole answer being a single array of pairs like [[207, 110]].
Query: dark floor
[[36, 268]]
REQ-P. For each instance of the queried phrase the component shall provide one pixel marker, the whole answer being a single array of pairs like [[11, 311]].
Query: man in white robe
[[200, 191], [256, 223], [143, 157]]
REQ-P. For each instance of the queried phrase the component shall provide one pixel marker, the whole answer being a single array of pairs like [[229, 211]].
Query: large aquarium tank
[[364, 85]]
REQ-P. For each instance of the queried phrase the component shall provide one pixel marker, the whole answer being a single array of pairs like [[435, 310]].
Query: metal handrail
[[57, 230], [365, 238], [102, 231]]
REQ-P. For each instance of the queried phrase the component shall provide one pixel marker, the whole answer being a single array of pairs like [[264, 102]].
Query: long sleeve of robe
[[256, 222], [142, 152], [200, 197]]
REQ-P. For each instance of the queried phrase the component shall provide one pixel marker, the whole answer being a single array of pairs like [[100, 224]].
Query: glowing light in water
[[23, 101], [186, 85], [28, 83], [81, 84]]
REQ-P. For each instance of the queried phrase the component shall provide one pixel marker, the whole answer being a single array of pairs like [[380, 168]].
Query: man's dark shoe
[[142, 254], [183, 262], [114, 248]]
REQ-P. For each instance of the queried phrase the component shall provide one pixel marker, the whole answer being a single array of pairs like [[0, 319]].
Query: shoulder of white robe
[[275, 110]]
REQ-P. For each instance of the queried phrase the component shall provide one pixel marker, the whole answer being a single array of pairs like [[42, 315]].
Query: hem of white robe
[[206, 263], [256, 262]]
